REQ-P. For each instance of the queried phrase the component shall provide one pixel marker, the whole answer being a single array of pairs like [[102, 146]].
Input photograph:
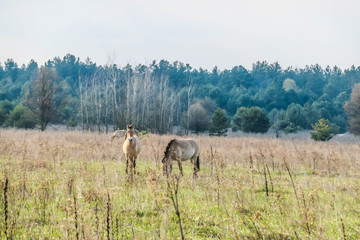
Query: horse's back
[[187, 148], [191, 143]]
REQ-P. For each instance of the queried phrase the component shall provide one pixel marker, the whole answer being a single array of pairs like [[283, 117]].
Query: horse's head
[[130, 132], [164, 160], [168, 152], [164, 164]]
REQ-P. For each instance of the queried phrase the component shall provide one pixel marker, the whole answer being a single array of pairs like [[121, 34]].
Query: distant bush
[[71, 123], [143, 134], [5, 108], [21, 117], [291, 128], [251, 120], [234, 128], [2, 116]]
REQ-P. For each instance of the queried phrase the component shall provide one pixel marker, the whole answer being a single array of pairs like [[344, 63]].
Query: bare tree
[[189, 93], [198, 118], [91, 101], [107, 92], [97, 99], [352, 108], [42, 97], [146, 97], [127, 95], [81, 102], [128, 78], [113, 75]]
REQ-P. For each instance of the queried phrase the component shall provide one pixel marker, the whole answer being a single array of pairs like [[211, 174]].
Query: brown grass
[[248, 187]]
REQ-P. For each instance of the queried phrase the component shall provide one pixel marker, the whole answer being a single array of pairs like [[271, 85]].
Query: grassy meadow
[[72, 185]]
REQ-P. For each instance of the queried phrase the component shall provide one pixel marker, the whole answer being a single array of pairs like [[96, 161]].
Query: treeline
[[161, 95]]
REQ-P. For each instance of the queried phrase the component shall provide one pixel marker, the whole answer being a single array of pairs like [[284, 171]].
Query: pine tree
[[219, 123], [324, 130]]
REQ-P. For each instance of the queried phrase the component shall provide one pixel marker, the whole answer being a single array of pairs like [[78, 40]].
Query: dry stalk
[[97, 220], [292, 182], [24, 185], [343, 228], [251, 161], [156, 155], [108, 216], [266, 183], [259, 235], [173, 190], [45, 196], [117, 225], [218, 189], [296, 235], [271, 182], [306, 213], [212, 160], [6, 210], [76, 219], [232, 223], [23, 157]]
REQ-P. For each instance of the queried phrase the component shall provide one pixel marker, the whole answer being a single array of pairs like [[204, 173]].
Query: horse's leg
[[131, 163], [180, 166], [194, 160], [164, 168], [127, 163], [134, 163], [193, 163]]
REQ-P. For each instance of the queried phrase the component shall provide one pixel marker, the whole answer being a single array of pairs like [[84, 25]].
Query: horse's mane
[[168, 147]]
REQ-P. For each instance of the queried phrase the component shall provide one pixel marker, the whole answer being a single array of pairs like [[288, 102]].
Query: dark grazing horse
[[181, 150]]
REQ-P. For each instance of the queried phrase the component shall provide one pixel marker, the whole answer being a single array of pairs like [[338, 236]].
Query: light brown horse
[[181, 150], [131, 147]]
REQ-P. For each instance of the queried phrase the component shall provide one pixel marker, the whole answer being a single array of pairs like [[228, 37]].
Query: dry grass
[[72, 185]]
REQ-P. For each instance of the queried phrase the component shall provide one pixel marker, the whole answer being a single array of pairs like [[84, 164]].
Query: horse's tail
[[198, 162]]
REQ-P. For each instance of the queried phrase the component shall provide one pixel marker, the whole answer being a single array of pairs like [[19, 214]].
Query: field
[[72, 185]]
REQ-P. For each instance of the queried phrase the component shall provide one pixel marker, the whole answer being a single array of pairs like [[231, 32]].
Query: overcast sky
[[203, 33]]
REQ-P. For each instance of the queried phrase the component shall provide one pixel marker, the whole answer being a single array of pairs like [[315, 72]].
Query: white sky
[[203, 33]]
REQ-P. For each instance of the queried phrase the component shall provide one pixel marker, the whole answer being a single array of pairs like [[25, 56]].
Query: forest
[[172, 97]]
